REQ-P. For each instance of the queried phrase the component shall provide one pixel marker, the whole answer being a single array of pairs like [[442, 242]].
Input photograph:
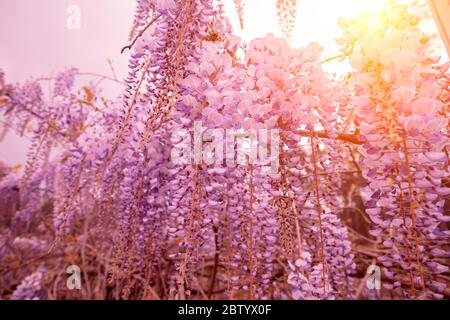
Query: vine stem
[[297, 225], [319, 211], [346, 137], [216, 262], [140, 34], [297, 230], [199, 211], [250, 223], [229, 242], [183, 266], [413, 214], [193, 203]]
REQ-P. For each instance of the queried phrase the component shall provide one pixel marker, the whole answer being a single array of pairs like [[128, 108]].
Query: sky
[[35, 40]]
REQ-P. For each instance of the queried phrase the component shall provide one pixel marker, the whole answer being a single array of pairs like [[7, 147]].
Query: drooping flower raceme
[[228, 170]]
